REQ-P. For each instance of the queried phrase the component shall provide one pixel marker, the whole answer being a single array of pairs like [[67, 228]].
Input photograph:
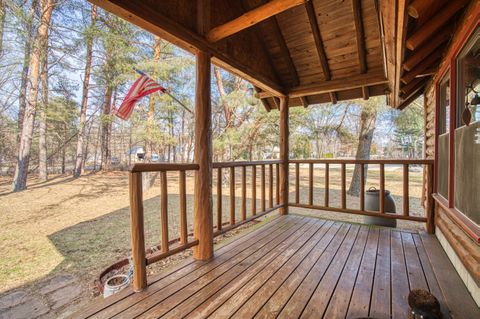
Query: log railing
[[167, 247], [266, 206], [263, 171], [326, 205], [185, 240]]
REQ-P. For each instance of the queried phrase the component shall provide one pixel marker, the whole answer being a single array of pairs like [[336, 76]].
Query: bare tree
[[80, 157], [221, 90], [40, 44], [3, 13], [368, 118], [152, 99]]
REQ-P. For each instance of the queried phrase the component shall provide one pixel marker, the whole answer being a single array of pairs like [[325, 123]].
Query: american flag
[[142, 87]]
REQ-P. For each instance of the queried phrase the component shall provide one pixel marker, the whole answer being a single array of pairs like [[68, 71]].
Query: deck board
[[296, 267]]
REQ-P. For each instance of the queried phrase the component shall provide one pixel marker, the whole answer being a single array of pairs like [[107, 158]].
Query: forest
[[67, 65]]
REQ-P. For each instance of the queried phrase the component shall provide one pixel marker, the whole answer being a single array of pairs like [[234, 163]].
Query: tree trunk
[[80, 156], [21, 169], [221, 90], [367, 127], [3, 8], [106, 128], [152, 101], [42, 139], [26, 67]]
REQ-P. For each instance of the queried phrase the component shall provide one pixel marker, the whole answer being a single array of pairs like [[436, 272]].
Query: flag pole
[[166, 92]]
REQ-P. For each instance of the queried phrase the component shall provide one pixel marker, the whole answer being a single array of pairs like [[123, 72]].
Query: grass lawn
[[80, 226]]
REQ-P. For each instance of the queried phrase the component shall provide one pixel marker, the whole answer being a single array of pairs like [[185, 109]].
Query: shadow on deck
[[301, 267]]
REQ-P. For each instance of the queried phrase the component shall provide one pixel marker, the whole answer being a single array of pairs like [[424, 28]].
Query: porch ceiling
[[318, 51]]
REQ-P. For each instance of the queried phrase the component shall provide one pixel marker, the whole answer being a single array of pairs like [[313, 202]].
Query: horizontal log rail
[[326, 205]]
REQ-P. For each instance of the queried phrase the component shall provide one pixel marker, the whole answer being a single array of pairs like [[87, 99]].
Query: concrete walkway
[[56, 297]]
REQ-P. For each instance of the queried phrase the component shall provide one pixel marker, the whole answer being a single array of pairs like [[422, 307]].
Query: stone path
[[52, 298]]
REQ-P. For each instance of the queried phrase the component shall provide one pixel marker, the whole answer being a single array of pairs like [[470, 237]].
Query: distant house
[[136, 154]]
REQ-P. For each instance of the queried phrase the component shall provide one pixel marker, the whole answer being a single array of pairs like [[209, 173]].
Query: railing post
[[232, 195], [164, 211], [203, 219], [382, 189], [284, 155], [406, 199], [183, 208], [138, 237], [219, 198], [430, 207], [327, 184]]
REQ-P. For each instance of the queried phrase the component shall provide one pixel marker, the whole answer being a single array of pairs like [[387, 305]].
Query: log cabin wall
[[462, 250]]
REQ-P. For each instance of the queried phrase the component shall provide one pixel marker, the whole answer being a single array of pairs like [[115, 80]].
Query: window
[[444, 99], [468, 66], [467, 135], [443, 139]]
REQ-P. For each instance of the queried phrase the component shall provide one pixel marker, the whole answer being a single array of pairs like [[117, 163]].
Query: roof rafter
[[355, 81], [360, 35], [312, 18], [251, 18]]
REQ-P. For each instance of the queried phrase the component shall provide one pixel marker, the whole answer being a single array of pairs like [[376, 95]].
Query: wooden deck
[[301, 267]]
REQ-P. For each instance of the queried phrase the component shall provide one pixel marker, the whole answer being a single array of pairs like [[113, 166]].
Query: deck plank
[[278, 290], [321, 297], [296, 304], [416, 277], [360, 301], [230, 301], [338, 305], [186, 276], [380, 300], [162, 298], [301, 267], [430, 276], [457, 297], [128, 296], [400, 285], [238, 276]]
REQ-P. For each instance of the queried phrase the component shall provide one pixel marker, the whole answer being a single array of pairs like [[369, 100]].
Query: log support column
[[203, 216], [284, 155]]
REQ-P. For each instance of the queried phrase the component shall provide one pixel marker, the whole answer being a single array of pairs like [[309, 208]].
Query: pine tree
[[89, 38], [40, 44]]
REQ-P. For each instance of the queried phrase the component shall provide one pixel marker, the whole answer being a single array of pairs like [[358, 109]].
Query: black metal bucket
[[372, 203]]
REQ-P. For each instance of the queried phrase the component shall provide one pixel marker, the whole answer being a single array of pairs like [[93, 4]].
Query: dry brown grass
[[81, 226]]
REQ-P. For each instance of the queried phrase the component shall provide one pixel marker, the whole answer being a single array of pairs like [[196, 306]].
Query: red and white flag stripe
[[143, 86]]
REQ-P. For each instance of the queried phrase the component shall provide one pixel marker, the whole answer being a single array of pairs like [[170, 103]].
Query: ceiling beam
[[406, 102], [304, 101], [264, 102], [387, 17], [251, 18], [312, 18], [365, 92], [352, 82], [422, 10], [412, 86], [360, 35], [333, 97], [422, 66], [423, 52], [434, 24]]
